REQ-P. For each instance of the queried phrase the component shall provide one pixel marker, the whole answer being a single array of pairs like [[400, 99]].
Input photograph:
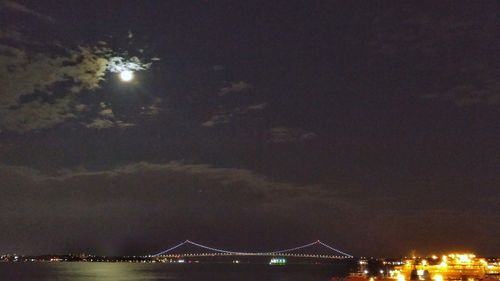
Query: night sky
[[250, 125]]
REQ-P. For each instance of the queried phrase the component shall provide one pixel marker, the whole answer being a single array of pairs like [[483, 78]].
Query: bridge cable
[[331, 248], [172, 248]]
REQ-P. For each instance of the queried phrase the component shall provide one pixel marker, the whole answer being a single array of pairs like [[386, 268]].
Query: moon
[[126, 75]]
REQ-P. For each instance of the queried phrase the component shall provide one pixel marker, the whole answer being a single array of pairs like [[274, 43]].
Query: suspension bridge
[[316, 249]]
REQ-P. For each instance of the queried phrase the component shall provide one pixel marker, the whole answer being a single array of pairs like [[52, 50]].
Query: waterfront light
[[444, 260]]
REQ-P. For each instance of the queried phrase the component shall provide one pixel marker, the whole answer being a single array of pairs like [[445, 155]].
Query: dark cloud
[[234, 88], [24, 74], [452, 56], [173, 192], [226, 177], [227, 116], [106, 119], [45, 87], [154, 108], [217, 120], [259, 106], [284, 134], [165, 202], [230, 111], [14, 6]]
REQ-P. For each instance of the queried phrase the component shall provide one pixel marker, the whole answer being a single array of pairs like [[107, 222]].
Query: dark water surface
[[148, 271]]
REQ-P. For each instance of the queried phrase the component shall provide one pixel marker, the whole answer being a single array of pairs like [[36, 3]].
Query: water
[[172, 272]]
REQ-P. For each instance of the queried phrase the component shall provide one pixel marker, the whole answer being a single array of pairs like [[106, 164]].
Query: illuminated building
[[448, 267]]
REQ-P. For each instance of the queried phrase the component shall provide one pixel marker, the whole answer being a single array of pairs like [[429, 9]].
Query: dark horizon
[[370, 125]]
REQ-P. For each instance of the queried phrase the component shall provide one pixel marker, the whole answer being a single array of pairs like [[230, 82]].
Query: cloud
[[452, 56], [259, 106], [215, 179], [106, 119], [14, 36], [225, 117], [107, 123], [107, 112], [134, 197], [217, 120], [118, 64], [100, 124], [284, 134], [232, 107], [41, 90], [235, 87], [175, 200], [468, 94], [23, 9], [36, 115], [154, 108], [24, 74]]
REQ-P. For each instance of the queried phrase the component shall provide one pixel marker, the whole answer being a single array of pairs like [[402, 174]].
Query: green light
[[277, 261]]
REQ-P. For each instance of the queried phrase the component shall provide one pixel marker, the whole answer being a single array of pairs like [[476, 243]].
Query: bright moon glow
[[126, 75]]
